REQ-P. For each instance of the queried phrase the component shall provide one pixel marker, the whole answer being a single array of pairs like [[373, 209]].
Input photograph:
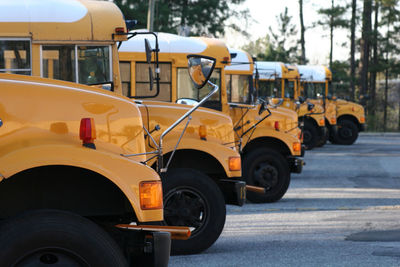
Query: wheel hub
[[345, 132], [184, 207], [49, 256], [266, 175]]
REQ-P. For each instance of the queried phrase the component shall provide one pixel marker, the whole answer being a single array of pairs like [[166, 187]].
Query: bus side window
[[58, 62], [15, 57]]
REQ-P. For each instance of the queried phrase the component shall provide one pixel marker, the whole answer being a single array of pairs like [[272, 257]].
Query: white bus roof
[[241, 62], [312, 73], [268, 70], [59, 20], [168, 43]]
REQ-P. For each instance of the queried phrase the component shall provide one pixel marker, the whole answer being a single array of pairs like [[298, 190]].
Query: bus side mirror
[[301, 99], [200, 69], [263, 105], [151, 79], [310, 106], [149, 50]]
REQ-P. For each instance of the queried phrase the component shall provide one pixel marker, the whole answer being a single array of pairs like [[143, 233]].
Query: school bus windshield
[[314, 90], [81, 64], [239, 88], [186, 88], [270, 88]]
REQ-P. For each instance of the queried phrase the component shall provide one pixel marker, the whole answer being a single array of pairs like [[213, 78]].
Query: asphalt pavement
[[342, 210]]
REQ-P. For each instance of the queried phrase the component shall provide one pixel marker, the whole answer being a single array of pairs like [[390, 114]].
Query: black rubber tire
[[269, 169], [347, 133], [47, 237], [193, 199], [310, 135], [323, 139]]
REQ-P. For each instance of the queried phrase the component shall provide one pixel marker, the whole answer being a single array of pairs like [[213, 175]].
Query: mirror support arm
[[176, 146], [187, 114], [257, 123]]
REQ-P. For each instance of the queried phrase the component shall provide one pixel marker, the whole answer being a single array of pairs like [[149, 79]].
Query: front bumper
[[234, 191], [296, 164], [323, 130], [144, 247]]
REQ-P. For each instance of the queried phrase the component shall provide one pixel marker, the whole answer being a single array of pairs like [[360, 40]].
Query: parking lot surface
[[342, 210]]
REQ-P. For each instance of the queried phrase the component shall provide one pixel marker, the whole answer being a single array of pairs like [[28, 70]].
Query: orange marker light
[[333, 121], [322, 122], [296, 146], [362, 119], [203, 132], [151, 196], [87, 130], [235, 164]]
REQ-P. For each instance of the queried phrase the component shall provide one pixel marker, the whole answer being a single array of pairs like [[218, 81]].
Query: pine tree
[[302, 33], [332, 18]]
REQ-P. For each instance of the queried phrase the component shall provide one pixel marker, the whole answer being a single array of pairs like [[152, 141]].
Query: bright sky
[[264, 12]]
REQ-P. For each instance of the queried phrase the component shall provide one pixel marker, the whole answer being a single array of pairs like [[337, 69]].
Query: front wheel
[[310, 135], [56, 238], [269, 169], [193, 199], [323, 139], [347, 133]]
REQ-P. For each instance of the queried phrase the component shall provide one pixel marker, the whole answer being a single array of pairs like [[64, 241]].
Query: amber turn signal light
[[235, 164], [322, 122], [202, 132], [151, 195], [333, 121], [362, 119], [296, 146]]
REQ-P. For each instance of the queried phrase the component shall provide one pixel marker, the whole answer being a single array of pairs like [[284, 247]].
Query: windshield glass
[[308, 90], [93, 62], [186, 88], [314, 90], [330, 89], [270, 88], [289, 89], [239, 88]]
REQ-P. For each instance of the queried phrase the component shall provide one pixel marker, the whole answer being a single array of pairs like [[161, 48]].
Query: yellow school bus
[[313, 83], [71, 158], [207, 148], [350, 116], [173, 51], [277, 80], [270, 153], [81, 46]]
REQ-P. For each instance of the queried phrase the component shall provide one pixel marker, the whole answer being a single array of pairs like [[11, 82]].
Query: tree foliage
[[332, 18], [196, 17]]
